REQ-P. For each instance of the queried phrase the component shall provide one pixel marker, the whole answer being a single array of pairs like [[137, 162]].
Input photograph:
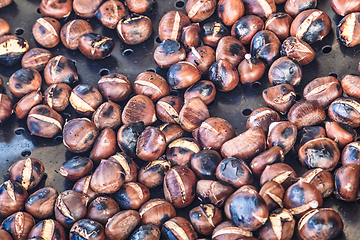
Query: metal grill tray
[[235, 106]]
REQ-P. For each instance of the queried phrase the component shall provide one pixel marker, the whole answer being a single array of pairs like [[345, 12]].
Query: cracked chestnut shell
[[57, 96], [295, 7], [306, 113], [214, 192], [76, 168], [262, 117], [152, 85], [12, 49], [107, 115], [246, 27], [26, 103], [348, 28], [56, 9], [128, 164], [172, 131], [265, 45], [204, 163], [95, 46], [280, 97], [107, 177], [281, 173], [273, 194], [282, 134], [146, 232], [46, 31], [168, 109], [60, 69], [251, 69], [180, 151], [224, 75], [234, 171], [204, 218], [24, 81], [321, 179], [115, 87], [110, 13], [280, 226], [127, 137], [18, 225], [212, 32], [87, 229], [260, 8], [183, 75], [12, 197], [272, 155], [279, 23], [343, 7], [345, 110], [156, 211], [79, 135], [104, 146], [134, 29], [83, 186], [229, 231], [297, 49], [41, 203], [342, 134], [139, 108], [85, 99], [101, 209], [178, 226], [72, 31], [285, 70], [202, 57], [171, 25], [152, 174], [132, 195], [192, 114], [199, 10], [28, 172], [347, 182], [231, 49], [168, 53], [122, 224], [48, 229], [36, 58]]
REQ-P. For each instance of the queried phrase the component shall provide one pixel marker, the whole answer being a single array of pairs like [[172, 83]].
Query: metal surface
[[16, 141]]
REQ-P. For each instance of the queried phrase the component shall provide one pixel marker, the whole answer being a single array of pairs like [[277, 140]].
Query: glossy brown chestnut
[[280, 97], [6, 107], [151, 144], [231, 49], [4, 235], [26, 103], [205, 218], [246, 203], [171, 131], [18, 225], [36, 58], [139, 108], [321, 179], [87, 229], [41, 203], [129, 166], [180, 151], [260, 8], [168, 53], [95, 46], [323, 223], [83, 186], [342, 134], [44, 121], [347, 182], [127, 137], [24, 81], [122, 224], [297, 49], [178, 226], [199, 10], [272, 155], [311, 25], [152, 85], [280, 225], [285, 70], [348, 30], [115, 87], [273, 194], [85, 99], [156, 211], [246, 145], [295, 7], [246, 27], [56, 9], [234, 171], [70, 206], [134, 29], [179, 186], [224, 75], [302, 197], [282, 134], [132, 195], [192, 114], [4, 27], [107, 177], [205, 90], [139, 6], [350, 154], [182, 75], [168, 109], [60, 69], [279, 23], [57, 96], [104, 146], [110, 13], [351, 85], [27, 172], [280, 173], [79, 135], [107, 115], [171, 25], [152, 174], [12, 198], [85, 8], [214, 192], [76, 168], [101, 209], [191, 36], [229, 11], [48, 229], [306, 113], [345, 110], [212, 32], [308, 133], [265, 45], [46, 32], [72, 31], [204, 163], [12, 48], [146, 232], [343, 7], [251, 69], [229, 231], [262, 117]]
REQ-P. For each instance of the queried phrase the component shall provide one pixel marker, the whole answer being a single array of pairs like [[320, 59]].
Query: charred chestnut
[[122, 224], [262, 117], [342, 134], [129, 166], [76, 168], [56, 9], [202, 57], [215, 192], [204, 218], [12, 48], [26, 103], [246, 27], [101, 209], [345, 110], [180, 151], [224, 75], [273, 194], [95, 46], [36, 58], [298, 49], [132, 195], [204, 163], [24, 81], [272, 155], [41, 203], [295, 7], [18, 225], [199, 10], [139, 108], [127, 137], [168, 53], [321, 179], [280, 173], [27, 172], [265, 45], [107, 115], [146, 232], [178, 226], [191, 37], [104, 146], [234, 171], [212, 32], [12, 198], [46, 32], [282, 134], [171, 25], [60, 69], [134, 29], [107, 177], [57, 96], [48, 229], [182, 75], [231, 49], [85, 99], [205, 90], [347, 182], [72, 31], [110, 13], [279, 23], [115, 87], [308, 133], [280, 225], [87, 229], [280, 97], [156, 211], [285, 70], [152, 85], [350, 154]]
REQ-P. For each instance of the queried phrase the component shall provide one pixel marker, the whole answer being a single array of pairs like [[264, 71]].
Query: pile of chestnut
[[190, 154]]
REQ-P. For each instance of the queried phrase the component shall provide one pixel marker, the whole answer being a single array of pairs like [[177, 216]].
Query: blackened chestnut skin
[[246, 27], [127, 137], [92, 230], [204, 163], [76, 168], [40, 204], [95, 46], [266, 46], [285, 70], [212, 33]]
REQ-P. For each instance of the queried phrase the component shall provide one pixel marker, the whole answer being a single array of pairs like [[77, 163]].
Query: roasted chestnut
[[246, 27], [350, 154], [202, 57], [83, 186], [60, 69], [234, 171], [101, 209], [24, 81], [115, 87], [26, 103], [85, 8], [129, 166], [168, 53], [228, 231], [342, 134], [76, 168], [273, 194], [231, 49], [134, 29], [12, 48], [199, 10], [204, 163], [262, 117], [308, 133], [280, 97], [41, 203], [295, 7], [212, 32], [342, 7], [104, 146], [56, 9], [230, 11], [183, 75], [191, 37], [350, 85], [192, 114], [85, 99], [285, 70], [107, 115], [132, 195], [224, 75], [178, 226], [306, 113], [156, 211], [282, 134], [12, 198], [171, 25], [265, 45], [46, 32], [27, 172], [280, 173], [127, 137], [298, 49], [95, 46], [18, 225], [139, 6], [215, 192], [151, 144], [48, 229], [36, 58], [204, 218], [321, 179], [72, 31], [262, 8], [57, 96], [180, 151], [272, 155], [279, 23], [87, 229], [251, 69], [152, 174], [345, 110], [152, 85], [171, 131], [280, 225], [110, 13], [205, 90], [139, 108], [6, 107], [347, 182], [122, 224], [146, 232]]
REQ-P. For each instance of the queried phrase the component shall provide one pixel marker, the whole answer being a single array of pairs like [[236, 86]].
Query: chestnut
[[171, 25], [192, 114], [46, 32], [6, 107], [214, 192], [273, 194], [129, 166], [72, 31], [345, 110], [57, 96], [12, 48], [285, 70], [171, 131], [205, 90], [152, 85], [24, 81], [350, 154], [179, 186], [229, 231], [272, 155], [86, 9], [281, 173], [87, 229], [246, 145], [134, 29], [28, 172], [41, 203], [5, 3], [342, 7], [60, 69], [311, 25], [350, 85], [246, 203], [139, 6], [132, 195], [44, 121], [321, 179], [70, 206], [18, 225], [152, 174], [151, 144], [83, 186], [306, 113], [347, 182], [107, 177], [295, 7], [48, 229], [202, 57], [178, 226], [302, 197], [205, 218], [110, 13], [308, 133], [230, 11], [234, 171], [76, 168], [279, 23], [107, 115], [204, 163], [168, 109], [79, 135], [246, 27], [282, 134], [122, 224], [4, 235], [101, 209], [262, 117], [265, 45], [224, 75], [168, 53], [280, 97], [156, 211], [127, 137], [12, 198], [36, 58], [212, 32], [199, 10], [260, 8], [180, 151], [139, 108], [297, 49], [4, 27], [95, 46], [251, 69], [85, 99], [104, 146], [182, 75], [26, 103], [146, 232], [191, 37], [231, 49], [56, 9], [280, 225], [115, 87], [342, 134]]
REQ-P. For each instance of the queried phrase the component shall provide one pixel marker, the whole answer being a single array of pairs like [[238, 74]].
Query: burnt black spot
[[287, 132], [338, 87], [89, 138], [354, 154], [296, 193], [90, 227], [107, 113], [18, 188], [172, 103], [57, 92], [183, 151], [206, 90], [39, 195], [98, 15], [101, 205], [43, 111], [123, 200], [60, 66], [235, 49], [195, 215], [316, 223], [71, 65], [303, 5], [241, 29], [69, 79], [281, 15], [170, 46], [221, 8], [84, 89], [314, 31], [25, 75], [76, 236], [62, 1], [18, 178], [265, 92], [34, 127], [42, 29], [243, 207], [107, 47], [36, 166], [283, 88], [18, 86], [168, 234], [6, 225]]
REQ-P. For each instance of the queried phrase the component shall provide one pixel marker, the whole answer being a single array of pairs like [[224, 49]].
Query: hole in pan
[[246, 111], [104, 71], [326, 49], [180, 4], [127, 52], [26, 153]]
